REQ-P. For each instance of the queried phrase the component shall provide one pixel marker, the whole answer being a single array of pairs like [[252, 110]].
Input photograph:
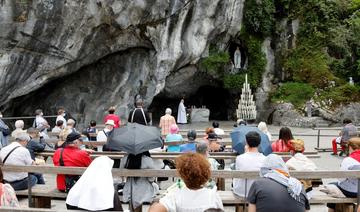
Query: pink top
[[115, 118], [280, 146]]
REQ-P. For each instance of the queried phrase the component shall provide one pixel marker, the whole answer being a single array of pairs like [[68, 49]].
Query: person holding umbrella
[[138, 190]]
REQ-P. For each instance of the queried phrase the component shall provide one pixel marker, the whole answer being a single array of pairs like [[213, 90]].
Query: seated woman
[[283, 144], [90, 193], [7, 194], [173, 137], [194, 170], [300, 162], [139, 189], [263, 127], [349, 186]]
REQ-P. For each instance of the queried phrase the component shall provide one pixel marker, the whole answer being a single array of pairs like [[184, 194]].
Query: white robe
[[237, 59], [181, 117], [94, 190]]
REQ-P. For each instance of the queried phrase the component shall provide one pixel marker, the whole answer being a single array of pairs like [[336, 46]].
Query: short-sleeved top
[[173, 137], [20, 156], [184, 199], [269, 195], [72, 156], [189, 147], [113, 117], [249, 161]]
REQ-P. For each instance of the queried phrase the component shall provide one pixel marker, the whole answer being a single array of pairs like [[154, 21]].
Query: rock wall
[[89, 54]]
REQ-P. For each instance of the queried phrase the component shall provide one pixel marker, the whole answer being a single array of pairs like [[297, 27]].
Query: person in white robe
[[94, 191], [237, 58], [181, 117]]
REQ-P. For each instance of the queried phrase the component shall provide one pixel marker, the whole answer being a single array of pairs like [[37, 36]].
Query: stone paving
[[325, 162]]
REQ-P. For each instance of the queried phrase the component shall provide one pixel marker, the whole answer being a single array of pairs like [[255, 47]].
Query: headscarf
[[274, 168], [94, 190]]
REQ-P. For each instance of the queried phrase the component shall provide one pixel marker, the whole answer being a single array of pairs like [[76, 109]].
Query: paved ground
[[325, 162]]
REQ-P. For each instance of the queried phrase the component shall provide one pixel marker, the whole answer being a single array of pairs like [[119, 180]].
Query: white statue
[[237, 58], [351, 81]]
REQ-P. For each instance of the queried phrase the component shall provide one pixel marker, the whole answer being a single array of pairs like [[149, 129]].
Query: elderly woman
[[19, 125], [283, 144], [263, 127], [174, 137], [194, 170], [276, 190]]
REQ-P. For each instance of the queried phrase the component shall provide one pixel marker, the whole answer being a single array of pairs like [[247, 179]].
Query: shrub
[[293, 92], [336, 96], [259, 17]]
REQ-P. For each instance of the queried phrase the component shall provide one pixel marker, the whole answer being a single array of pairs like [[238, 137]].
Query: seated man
[[103, 134], [59, 126], [16, 154], [19, 125], [251, 160], [70, 155], [346, 133], [276, 190], [190, 146], [36, 144], [71, 125]]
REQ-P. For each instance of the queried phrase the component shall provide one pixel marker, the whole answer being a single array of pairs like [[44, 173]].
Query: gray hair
[[38, 112], [201, 148], [22, 137], [70, 122], [19, 124], [168, 111]]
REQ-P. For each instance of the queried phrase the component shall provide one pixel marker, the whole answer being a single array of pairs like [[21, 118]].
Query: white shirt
[[249, 161], [188, 200], [219, 131], [101, 135], [60, 117], [20, 156]]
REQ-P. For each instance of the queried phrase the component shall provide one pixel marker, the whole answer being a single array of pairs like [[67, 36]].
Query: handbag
[[70, 180]]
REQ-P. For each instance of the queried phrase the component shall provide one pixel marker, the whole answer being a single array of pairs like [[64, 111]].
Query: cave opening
[[215, 98]]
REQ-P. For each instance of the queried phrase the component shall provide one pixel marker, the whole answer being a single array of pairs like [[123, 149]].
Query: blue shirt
[[189, 147], [173, 137]]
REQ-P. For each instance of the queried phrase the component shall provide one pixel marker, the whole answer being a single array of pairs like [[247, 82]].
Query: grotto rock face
[[89, 54]]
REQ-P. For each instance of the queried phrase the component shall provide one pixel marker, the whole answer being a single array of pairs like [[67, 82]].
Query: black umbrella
[[134, 139]]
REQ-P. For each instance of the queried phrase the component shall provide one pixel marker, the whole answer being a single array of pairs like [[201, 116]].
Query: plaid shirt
[[165, 123]]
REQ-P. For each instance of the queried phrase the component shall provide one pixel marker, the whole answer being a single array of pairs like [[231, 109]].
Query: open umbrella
[[134, 139], [239, 140]]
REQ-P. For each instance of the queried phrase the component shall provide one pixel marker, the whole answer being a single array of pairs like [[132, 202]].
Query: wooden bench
[[7, 209], [229, 198], [42, 195]]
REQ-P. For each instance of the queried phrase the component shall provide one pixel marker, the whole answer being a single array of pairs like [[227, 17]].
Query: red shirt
[[72, 156], [115, 118], [280, 146]]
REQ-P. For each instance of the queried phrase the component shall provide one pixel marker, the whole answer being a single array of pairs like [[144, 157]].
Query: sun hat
[[110, 122]]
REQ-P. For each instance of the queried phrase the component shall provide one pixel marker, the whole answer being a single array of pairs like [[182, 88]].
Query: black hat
[[213, 136], [72, 137], [191, 134]]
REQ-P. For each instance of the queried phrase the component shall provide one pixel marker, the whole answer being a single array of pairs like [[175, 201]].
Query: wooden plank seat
[[42, 195], [7, 209]]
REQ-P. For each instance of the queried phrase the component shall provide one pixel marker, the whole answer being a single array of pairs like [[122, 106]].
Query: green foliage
[[336, 96], [216, 61], [258, 17], [309, 65], [256, 65], [293, 92]]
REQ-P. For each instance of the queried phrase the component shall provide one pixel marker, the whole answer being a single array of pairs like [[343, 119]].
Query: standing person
[[138, 190], [346, 133], [112, 116], [139, 115], [166, 121], [16, 154], [181, 117], [61, 117], [276, 190], [103, 134], [70, 155], [262, 126], [7, 194], [173, 137], [252, 160], [40, 123], [85, 191], [284, 142], [349, 186], [190, 146], [67, 115], [4, 132], [195, 171], [19, 128]]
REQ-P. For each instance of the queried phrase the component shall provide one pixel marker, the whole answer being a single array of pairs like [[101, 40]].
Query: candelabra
[[246, 107]]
